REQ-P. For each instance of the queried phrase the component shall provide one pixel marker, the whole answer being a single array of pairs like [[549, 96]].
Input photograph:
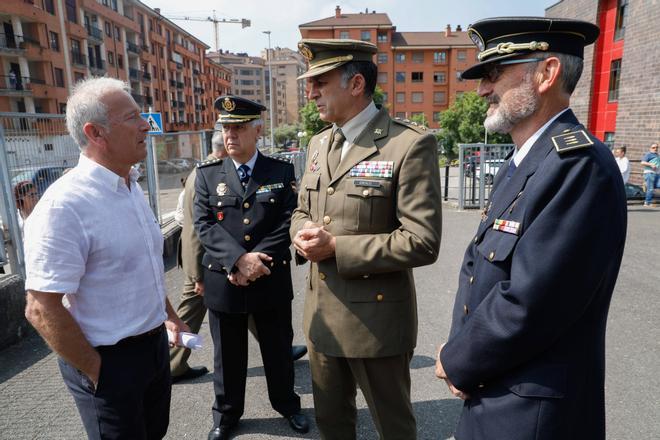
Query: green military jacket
[[383, 206]]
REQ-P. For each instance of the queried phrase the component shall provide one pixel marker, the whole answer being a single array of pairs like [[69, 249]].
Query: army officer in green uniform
[[242, 213], [368, 212]]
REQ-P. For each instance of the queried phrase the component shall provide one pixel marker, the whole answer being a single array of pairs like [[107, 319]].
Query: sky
[[283, 17]]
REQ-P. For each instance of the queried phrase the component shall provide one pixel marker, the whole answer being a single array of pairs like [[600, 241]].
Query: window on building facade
[[49, 6], [400, 77], [71, 11], [111, 58], [114, 6], [417, 97], [157, 94], [58, 74], [459, 75], [54, 41], [384, 97], [108, 29], [401, 58], [382, 58], [418, 57], [439, 98], [615, 76], [436, 116], [382, 77], [608, 139], [62, 106], [400, 115], [382, 37], [400, 97], [621, 18], [439, 77], [120, 61], [439, 57], [344, 35], [77, 77], [417, 76], [461, 55], [365, 35], [164, 97], [117, 33], [162, 74]]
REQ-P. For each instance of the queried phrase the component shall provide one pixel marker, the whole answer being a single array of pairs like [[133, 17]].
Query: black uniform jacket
[[527, 339], [231, 221]]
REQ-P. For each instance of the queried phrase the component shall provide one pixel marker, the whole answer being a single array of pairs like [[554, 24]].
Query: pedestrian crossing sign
[[155, 122]]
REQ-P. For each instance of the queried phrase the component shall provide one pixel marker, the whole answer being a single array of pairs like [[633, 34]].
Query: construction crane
[[216, 21]]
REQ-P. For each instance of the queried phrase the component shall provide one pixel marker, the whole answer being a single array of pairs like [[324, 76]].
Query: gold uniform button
[[327, 219], [247, 238], [491, 255], [330, 191], [210, 266], [471, 279], [246, 221], [246, 205], [365, 193], [465, 309], [321, 275], [379, 297]]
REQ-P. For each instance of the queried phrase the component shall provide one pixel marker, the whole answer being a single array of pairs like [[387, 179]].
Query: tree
[[462, 123], [285, 133], [420, 119], [379, 97]]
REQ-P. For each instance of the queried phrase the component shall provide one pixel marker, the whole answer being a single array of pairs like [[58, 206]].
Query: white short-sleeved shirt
[[98, 243]]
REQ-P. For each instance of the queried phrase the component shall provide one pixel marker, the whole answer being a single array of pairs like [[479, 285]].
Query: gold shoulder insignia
[[571, 141], [209, 162], [410, 124]]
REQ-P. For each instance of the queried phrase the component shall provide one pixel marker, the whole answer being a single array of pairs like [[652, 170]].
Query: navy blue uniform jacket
[[231, 221], [527, 340]]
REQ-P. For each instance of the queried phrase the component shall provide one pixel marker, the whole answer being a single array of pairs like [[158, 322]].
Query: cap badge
[[308, 54], [228, 104]]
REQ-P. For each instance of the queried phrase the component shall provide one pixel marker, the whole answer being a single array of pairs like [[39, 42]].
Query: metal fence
[[478, 165]]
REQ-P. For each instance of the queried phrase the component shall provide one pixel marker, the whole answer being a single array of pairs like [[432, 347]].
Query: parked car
[[491, 167], [41, 177], [185, 163], [169, 167]]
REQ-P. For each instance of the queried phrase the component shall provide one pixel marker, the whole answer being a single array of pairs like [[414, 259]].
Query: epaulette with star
[[571, 140], [411, 124], [209, 162]]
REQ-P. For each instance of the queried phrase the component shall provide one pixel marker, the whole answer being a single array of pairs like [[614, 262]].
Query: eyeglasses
[[493, 71]]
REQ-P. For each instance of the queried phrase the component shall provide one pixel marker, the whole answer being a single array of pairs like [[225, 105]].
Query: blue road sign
[[155, 122]]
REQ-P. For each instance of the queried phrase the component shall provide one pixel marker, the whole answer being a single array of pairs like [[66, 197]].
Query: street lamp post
[[270, 87]]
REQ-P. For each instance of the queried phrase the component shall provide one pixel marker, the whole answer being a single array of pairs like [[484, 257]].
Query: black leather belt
[[142, 336]]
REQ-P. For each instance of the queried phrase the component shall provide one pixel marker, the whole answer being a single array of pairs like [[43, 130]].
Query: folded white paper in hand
[[188, 340]]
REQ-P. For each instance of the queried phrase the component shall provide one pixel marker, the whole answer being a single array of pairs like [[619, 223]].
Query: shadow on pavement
[[419, 361], [21, 356]]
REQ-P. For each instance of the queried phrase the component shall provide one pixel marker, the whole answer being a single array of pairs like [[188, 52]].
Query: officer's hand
[[199, 288], [441, 374], [238, 280], [176, 325], [251, 265], [315, 244]]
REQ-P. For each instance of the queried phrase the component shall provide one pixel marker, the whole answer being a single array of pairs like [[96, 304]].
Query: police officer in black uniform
[[242, 214]]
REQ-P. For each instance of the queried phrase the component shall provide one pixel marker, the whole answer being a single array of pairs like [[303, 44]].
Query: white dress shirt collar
[[521, 152], [104, 176], [250, 163]]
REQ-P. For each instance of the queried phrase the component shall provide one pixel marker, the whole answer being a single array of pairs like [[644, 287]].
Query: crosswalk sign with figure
[[155, 122]]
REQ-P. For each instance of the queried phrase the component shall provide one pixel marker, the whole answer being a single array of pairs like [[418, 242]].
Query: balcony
[[149, 100], [97, 66], [78, 59], [181, 104], [172, 83], [173, 103], [129, 14], [139, 99], [134, 74], [179, 66], [12, 85], [199, 90], [94, 33], [198, 107], [195, 71], [146, 76], [179, 85], [132, 47]]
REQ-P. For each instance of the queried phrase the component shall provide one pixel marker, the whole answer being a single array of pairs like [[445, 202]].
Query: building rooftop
[[361, 19], [430, 39]]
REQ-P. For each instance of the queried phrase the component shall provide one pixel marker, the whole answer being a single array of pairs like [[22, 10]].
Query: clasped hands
[[314, 243], [441, 374], [250, 267]]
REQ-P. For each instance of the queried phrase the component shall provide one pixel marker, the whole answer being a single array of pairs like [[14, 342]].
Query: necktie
[[243, 174], [334, 154], [510, 170]]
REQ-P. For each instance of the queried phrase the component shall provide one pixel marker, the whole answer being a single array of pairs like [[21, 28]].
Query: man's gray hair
[[84, 105], [257, 122], [571, 70], [217, 143]]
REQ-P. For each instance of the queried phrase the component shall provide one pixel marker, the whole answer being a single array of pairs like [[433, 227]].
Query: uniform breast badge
[[220, 216], [314, 166], [221, 189], [508, 226]]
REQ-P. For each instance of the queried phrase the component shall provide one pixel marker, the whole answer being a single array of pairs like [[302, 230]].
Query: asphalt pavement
[[34, 403]]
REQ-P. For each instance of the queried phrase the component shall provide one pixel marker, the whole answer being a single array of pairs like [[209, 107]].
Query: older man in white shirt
[[93, 241]]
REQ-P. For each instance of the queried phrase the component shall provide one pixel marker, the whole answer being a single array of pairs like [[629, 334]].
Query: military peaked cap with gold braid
[[502, 38], [237, 110], [324, 55]]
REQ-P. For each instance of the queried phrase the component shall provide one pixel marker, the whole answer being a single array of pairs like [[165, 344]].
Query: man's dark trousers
[[132, 399]]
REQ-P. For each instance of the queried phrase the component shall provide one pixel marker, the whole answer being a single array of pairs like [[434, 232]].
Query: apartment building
[[287, 65], [46, 46], [419, 72], [617, 95]]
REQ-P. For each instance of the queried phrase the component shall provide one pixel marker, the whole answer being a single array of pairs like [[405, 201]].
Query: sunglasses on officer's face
[[493, 72]]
